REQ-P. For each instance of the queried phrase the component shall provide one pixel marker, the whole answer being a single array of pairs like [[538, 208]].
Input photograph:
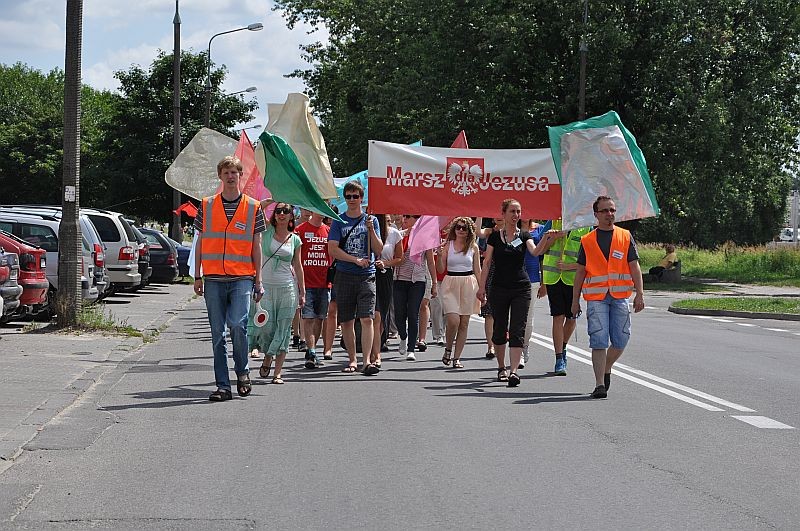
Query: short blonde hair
[[229, 162]]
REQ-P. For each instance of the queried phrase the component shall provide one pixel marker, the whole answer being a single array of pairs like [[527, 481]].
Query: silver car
[[42, 230]]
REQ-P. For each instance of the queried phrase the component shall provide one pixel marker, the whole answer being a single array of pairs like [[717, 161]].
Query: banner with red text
[[461, 182]]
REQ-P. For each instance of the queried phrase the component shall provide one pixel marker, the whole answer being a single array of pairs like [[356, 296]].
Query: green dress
[[280, 295]]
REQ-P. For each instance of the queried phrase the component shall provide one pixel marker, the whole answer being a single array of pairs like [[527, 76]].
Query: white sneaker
[[525, 355], [411, 357], [403, 348]]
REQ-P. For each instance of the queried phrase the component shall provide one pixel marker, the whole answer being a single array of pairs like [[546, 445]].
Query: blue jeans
[[407, 299], [608, 319], [228, 303]]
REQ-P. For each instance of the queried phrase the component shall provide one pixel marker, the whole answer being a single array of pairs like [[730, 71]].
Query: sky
[[120, 33]]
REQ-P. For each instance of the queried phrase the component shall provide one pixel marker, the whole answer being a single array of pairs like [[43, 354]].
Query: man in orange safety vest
[[608, 274]]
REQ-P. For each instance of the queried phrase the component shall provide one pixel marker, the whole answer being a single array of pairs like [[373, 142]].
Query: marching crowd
[[277, 280]]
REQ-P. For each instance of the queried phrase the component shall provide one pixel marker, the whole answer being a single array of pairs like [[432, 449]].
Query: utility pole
[[69, 232], [176, 230], [584, 50]]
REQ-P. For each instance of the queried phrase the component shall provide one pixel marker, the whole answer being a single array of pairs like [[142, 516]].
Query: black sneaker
[[489, 355], [311, 359], [302, 346], [295, 341], [599, 392]]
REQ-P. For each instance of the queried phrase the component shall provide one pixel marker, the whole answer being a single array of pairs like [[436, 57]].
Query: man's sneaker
[[295, 341], [302, 345], [411, 357], [561, 366], [440, 341], [564, 355], [599, 392], [311, 359], [403, 348]]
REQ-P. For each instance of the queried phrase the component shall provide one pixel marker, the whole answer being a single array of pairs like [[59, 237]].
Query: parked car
[[786, 235], [163, 256], [32, 273], [10, 290], [122, 248], [144, 256], [88, 231], [183, 257], [41, 230]]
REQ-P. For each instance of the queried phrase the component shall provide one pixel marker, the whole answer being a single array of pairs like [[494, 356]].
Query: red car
[[32, 277]]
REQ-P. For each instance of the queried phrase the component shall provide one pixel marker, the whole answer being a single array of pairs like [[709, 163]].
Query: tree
[[710, 89], [126, 137], [136, 151]]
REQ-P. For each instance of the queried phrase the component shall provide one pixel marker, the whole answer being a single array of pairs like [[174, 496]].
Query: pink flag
[[424, 234], [251, 182]]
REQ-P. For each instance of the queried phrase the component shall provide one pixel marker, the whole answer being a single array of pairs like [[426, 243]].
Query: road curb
[[731, 313], [15, 441]]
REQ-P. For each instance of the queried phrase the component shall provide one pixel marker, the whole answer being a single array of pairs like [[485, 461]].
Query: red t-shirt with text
[[314, 254]]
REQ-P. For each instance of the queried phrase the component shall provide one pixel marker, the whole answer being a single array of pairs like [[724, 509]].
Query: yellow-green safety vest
[[566, 250]]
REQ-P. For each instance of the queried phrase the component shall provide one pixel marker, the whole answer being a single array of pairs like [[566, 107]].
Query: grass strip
[[732, 263], [743, 304]]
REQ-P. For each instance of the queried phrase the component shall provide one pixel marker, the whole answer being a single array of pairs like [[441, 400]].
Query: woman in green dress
[[284, 291]]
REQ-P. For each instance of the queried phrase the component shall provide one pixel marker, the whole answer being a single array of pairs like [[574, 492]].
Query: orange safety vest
[[227, 246], [607, 276]]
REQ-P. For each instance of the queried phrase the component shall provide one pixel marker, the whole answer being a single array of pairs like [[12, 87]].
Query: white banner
[[407, 179]]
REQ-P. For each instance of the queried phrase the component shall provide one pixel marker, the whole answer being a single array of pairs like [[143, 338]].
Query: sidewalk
[[43, 372]]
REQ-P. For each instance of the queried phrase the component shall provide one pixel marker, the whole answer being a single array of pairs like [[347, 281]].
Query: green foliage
[[137, 147], [732, 263], [743, 304], [710, 89], [126, 137]]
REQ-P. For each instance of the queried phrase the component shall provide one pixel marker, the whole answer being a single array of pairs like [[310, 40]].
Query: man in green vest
[[558, 275]]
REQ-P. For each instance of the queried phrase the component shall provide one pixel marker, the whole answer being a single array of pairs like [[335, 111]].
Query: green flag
[[285, 177]]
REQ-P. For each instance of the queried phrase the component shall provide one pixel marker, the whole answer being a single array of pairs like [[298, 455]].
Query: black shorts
[[560, 297]]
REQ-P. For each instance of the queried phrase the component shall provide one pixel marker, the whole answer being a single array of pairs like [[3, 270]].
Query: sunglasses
[[351, 197], [607, 211], [461, 227], [283, 210]]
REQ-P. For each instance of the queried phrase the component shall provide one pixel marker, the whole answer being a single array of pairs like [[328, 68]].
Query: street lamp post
[[257, 126], [248, 89], [250, 27], [176, 117], [584, 49]]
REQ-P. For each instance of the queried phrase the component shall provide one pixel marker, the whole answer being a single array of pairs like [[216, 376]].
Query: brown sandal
[[502, 375]]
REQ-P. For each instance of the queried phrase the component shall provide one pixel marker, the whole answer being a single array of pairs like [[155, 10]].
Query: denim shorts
[[316, 306], [608, 319]]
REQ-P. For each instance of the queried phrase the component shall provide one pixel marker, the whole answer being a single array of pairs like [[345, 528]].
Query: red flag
[[188, 207], [460, 141]]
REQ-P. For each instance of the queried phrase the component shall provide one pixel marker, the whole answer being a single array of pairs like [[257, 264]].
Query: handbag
[[331, 275]]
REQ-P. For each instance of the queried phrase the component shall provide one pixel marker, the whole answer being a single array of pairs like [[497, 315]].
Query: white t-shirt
[[389, 243]]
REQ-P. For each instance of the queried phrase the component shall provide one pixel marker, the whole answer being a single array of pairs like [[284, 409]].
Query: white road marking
[[721, 320], [746, 324], [639, 381], [585, 357], [763, 422], [776, 329], [664, 381]]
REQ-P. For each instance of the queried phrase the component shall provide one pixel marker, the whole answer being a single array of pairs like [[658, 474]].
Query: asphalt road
[[676, 445]]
